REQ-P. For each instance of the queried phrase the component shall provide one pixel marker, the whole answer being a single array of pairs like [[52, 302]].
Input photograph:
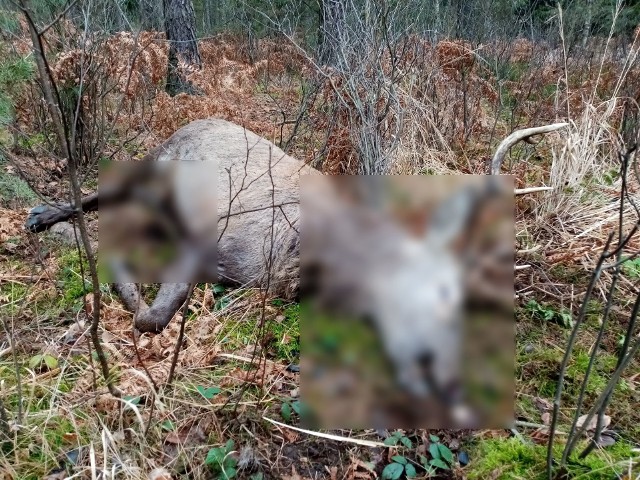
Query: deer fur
[[257, 188]]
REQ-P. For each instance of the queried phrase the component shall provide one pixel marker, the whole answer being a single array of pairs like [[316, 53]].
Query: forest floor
[[234, 388]]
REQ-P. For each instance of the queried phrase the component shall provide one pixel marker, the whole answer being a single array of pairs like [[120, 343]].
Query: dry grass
[[454, 110]]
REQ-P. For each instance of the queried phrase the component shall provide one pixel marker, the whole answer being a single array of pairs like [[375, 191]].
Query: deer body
[[256, 198], [258, 205], [410, 287]]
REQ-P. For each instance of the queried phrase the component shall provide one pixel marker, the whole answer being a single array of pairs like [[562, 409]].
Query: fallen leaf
[[606, 421], [333, 472], [290, 435], [542, 404], [70, 437], [88, 304], [540, 436]]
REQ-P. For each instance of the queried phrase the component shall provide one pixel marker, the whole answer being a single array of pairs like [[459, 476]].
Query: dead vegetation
[[455, 101]]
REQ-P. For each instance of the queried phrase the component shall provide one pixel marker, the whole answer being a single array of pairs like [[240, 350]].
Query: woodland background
[[352, 86]]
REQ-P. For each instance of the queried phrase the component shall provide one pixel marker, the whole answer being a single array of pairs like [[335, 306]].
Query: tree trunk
[[586, 29], [331, 31], [180, 26]]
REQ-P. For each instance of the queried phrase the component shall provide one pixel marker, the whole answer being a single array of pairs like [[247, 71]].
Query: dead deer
[[259, 218]]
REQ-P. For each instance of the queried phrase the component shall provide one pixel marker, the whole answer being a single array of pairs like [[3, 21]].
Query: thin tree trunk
[[180, 26], [586, 31], [332, 30]]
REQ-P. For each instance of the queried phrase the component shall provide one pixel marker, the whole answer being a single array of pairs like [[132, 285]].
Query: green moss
[[512, 459], [13, 295], [287, 334], [282, 333], [604, 365], [538, 369], [14, 191], [562, 273], [70, 277]]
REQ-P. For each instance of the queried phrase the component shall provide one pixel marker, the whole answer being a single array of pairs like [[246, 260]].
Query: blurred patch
[[158, 222], [407, 308]]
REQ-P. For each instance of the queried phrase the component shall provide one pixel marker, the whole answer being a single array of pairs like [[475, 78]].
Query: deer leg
[[43, 217], [156, 317]]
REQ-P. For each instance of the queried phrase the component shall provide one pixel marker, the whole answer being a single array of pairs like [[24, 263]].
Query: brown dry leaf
[[174, 438], [192, 435], [333, 472], [592, 423], [207, 301], [70, 437], [542, 404], [356, 463], [363, 475], [106, 403], [88, 304], [290, 436], [206, 327], [10, 224], [540, 436]]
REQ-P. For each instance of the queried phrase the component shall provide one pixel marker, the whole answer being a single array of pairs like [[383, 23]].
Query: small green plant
[[222, 462], [611, 176], [43, 361], [631, 268], [441, 457], [208, 392], [288, 408], [168, 426], [397, 467], [549, 314], [398, 438], [399, 463], [223, 300]]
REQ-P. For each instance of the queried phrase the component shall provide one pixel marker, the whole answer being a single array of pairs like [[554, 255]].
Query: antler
[[516, 137]]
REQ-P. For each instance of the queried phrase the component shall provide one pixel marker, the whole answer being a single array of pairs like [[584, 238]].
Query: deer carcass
[[410, 286]]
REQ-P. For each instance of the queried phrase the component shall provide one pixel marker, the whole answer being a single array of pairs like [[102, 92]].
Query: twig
[[567, 354], [176, 352], [57, 19], [524, 191], [328, 436]]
